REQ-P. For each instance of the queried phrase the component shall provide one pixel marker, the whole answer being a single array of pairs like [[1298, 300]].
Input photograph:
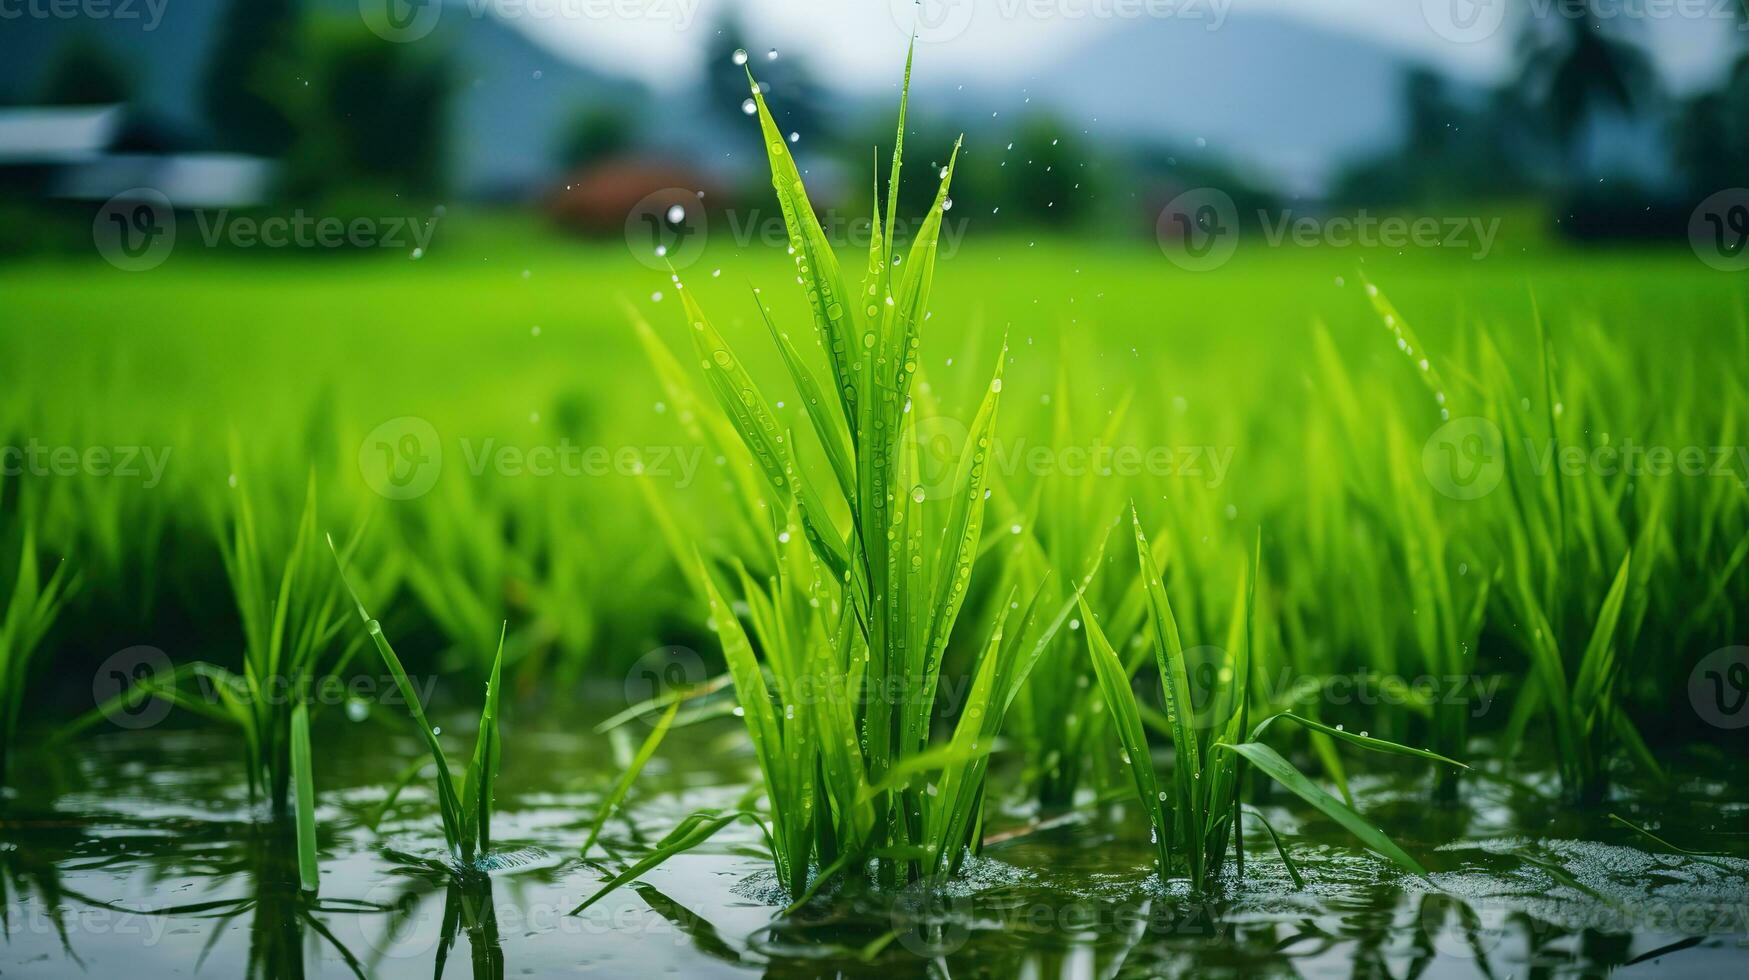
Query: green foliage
[[869, 570], [31, 607], [253, 40], [1193, 818], [342, 147], [467, 816]]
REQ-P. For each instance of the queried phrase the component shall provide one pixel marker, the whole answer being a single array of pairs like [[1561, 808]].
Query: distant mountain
[[512, 99], [1286, 97]]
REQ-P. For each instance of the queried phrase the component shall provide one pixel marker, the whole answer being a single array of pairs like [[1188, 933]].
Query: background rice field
[[1268, 397]]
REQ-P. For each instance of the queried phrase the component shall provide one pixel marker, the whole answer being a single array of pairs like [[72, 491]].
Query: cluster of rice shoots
[[291, 621], [837, 667], [32, 604], [1196, 814]]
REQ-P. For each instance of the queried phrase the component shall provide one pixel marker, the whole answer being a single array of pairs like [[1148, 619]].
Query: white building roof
[[55, 134]]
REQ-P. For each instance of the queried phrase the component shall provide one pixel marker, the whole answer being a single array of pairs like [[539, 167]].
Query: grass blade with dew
[[1114, 681], [1283, 772], [624, 784], [304, 793], [448, 803]]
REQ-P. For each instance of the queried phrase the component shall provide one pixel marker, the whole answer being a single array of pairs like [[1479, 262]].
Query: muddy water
[[139, 854]]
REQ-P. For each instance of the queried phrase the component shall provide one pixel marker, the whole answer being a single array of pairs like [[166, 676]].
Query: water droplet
[[676, 214], [749, 107], [739, 57], [947, 204], [771, 55]]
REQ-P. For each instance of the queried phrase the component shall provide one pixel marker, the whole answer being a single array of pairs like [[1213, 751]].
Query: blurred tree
[[595, 132], [84, 72], [794, 98], [1712, 135], [1577, 69], [1453, 149], [253, 39], [725, 81], [1042, 174], [368, 114]]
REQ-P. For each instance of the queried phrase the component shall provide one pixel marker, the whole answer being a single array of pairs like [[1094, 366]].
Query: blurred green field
[[507, 335]]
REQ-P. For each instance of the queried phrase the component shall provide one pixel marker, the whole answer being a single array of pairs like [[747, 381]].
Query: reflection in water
[[468, 907], [1519, 886]]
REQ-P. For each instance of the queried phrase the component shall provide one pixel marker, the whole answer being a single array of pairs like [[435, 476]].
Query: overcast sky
[[855, 43]]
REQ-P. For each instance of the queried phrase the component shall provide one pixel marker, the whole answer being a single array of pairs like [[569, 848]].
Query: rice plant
[[32, 605], [467, 816], [870, 571], [1194, 817], [290, 623]]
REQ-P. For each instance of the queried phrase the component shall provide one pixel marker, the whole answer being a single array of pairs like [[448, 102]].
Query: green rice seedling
[[1562, 594], [467, 816], [1058, 715], [1199, 809], [870, 572], [1432, 555], [462, 561], [290, 622], [32, 605]]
